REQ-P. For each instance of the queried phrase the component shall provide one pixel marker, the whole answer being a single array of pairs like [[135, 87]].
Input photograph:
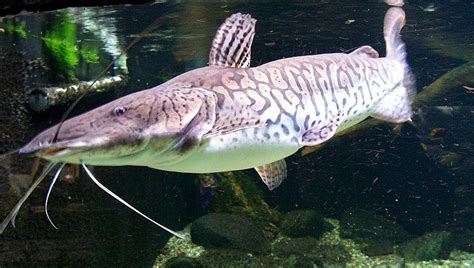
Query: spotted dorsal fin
[[272, 174], [232, 43], [366, 51]]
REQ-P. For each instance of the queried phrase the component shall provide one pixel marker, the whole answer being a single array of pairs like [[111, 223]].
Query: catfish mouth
[[47, 149], [52, 151], [97, 150]]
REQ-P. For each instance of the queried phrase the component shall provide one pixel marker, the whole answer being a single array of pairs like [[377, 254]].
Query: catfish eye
[[119, 110]]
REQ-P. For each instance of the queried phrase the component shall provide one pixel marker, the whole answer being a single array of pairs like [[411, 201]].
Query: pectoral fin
[[202, 122], [272, 174]]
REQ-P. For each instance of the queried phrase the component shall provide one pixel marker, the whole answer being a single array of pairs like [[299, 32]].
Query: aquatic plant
[[89, 53], [60, 41], [237, 193], [13, 28]]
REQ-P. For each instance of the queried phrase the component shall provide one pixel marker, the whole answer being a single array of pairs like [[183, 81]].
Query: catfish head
[[131, 130]]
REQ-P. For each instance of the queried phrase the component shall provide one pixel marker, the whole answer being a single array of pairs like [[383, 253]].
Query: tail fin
[[393, 24], [396, 105]]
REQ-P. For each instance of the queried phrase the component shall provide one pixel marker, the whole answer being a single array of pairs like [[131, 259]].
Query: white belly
[[234, 151]]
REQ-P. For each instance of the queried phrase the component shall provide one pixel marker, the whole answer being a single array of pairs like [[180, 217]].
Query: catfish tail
[[393, 24], [395, 107]]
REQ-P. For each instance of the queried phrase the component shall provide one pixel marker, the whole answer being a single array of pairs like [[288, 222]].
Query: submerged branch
[[455, 79], [41, 99]]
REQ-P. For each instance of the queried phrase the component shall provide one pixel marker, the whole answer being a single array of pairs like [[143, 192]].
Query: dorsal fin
[[232, 43], [367, 51]]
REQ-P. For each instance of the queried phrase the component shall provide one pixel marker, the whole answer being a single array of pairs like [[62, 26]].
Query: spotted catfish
[[229, 116]]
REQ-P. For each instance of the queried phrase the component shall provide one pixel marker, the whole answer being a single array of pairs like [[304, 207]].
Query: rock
[[458, 255], [450, 159], [237, 193], [391, 261], [227, 258], [295, 246], [220, 230], [376, 247], [301, 262], [237, 258], [299, 223], [430, 246], [330, 256], [363, 225], [183, 262], [464, 240]]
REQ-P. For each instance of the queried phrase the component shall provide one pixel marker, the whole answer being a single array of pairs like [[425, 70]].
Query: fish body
[[229, 116], [290, 96]]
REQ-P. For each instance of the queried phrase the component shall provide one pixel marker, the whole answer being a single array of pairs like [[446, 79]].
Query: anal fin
[[273, 174], [394, 107]]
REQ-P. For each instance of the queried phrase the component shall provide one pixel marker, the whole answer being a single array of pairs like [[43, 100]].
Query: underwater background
[[380, 195]]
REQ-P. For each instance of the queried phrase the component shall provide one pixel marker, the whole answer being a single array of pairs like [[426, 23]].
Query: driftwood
[[457, 79], [41, 99], [460, 78]]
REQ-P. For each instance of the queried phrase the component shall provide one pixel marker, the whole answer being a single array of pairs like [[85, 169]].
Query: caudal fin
[[396, 105], [393, 24]]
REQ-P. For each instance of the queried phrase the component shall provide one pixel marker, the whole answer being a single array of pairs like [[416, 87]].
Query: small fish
[[229, 116], [469, 89], [429, 8]]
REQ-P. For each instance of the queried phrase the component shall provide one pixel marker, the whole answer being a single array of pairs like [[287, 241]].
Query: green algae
[[237, 193], [19, 28], [179, 247], [60, 43], [89, 53]]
